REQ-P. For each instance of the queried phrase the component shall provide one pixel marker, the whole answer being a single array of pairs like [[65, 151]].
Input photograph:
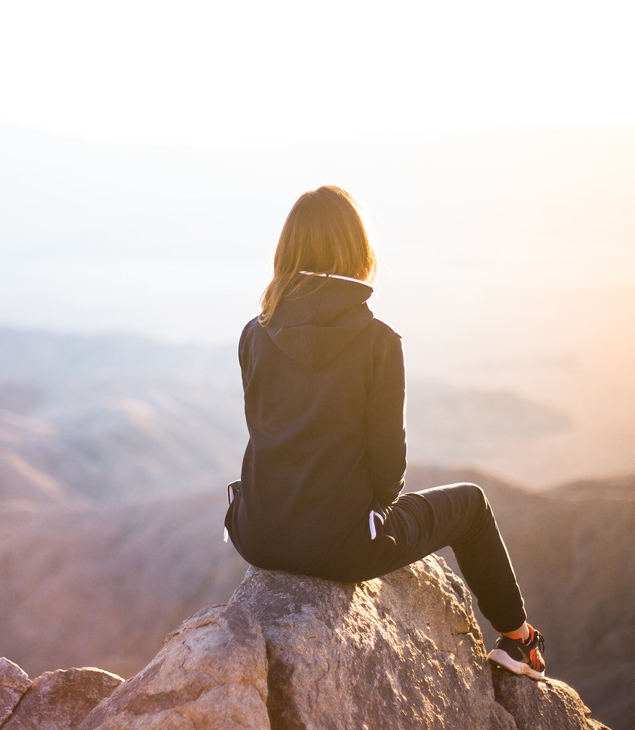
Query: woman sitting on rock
[[320, 488]]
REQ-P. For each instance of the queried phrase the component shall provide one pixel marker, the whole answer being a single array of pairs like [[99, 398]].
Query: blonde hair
[[324, 234]]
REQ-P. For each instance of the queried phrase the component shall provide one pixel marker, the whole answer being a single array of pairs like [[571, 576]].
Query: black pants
[[417, 524], [458, 515]]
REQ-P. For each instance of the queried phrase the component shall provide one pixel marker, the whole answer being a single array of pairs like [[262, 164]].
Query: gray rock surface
[[211, 674], [13, 684], [60, 700], [291, 652], [403, 651]]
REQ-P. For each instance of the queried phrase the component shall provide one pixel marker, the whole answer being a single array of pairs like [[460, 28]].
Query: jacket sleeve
[[385, 429], [243, 351]]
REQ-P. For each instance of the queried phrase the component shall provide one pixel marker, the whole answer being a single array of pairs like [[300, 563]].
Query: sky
[[198, 73], [493, 144]]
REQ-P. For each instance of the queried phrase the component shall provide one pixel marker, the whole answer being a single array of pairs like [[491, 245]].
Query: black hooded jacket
[[324, 402]]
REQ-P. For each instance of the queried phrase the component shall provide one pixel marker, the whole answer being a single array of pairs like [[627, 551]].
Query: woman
[[324, 467]]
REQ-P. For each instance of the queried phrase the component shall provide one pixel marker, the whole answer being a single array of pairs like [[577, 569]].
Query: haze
[[149, 154]]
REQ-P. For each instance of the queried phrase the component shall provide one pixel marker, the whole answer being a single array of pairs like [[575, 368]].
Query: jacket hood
[[321, 320]]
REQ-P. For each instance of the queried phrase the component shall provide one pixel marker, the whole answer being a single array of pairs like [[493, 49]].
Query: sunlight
[[196, 73]]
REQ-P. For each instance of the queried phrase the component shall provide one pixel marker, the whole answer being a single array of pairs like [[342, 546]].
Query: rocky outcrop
[[400, 652], [13, 684], [547, 705], [57, 700], [211, 674], [290, 652]]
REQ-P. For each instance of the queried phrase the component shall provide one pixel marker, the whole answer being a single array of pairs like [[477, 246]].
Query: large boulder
[[291, 652], [60, 700], [14, 682], [403, 651], [211, 674]]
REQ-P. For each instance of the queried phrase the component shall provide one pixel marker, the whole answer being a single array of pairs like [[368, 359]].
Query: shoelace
[[541, 640]]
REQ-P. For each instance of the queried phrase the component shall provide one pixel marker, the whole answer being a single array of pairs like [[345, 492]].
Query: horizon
[[154, 241]]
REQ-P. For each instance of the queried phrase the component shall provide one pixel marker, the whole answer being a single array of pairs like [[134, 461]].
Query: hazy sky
[[483, 137], [110, 236], [204, 73]]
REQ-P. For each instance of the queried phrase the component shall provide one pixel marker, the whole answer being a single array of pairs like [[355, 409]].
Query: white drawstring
[[371, 522]]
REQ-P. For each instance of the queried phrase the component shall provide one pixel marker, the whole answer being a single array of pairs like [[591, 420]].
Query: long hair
[[324, 234]]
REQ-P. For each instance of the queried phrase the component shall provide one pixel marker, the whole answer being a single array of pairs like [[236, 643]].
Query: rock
[[291, 652], [211, 674], [13, 684], [399, 652], [60, 700], [546, 705]]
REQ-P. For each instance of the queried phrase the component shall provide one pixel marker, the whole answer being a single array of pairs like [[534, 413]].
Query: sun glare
[[196, 73]]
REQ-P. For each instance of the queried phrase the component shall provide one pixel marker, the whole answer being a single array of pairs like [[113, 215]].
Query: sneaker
[[521, 657]]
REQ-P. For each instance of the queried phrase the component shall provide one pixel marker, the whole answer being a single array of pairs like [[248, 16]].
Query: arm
[[243, 351], [385, 430]]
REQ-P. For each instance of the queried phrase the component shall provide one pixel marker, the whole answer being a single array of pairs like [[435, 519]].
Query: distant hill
[[109, 417], [98, 585], [453, 425], [112, 417], [615, 487]]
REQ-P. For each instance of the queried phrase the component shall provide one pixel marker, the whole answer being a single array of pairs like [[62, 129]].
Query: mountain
[[615, 487], [110, 417], [113, 417], [97, 585]]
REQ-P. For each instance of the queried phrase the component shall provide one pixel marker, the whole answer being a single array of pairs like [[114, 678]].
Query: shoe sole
[[502, 658]]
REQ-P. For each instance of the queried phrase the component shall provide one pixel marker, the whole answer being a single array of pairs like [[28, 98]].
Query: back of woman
[[324, 394], [320, 485], [324, 399]]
